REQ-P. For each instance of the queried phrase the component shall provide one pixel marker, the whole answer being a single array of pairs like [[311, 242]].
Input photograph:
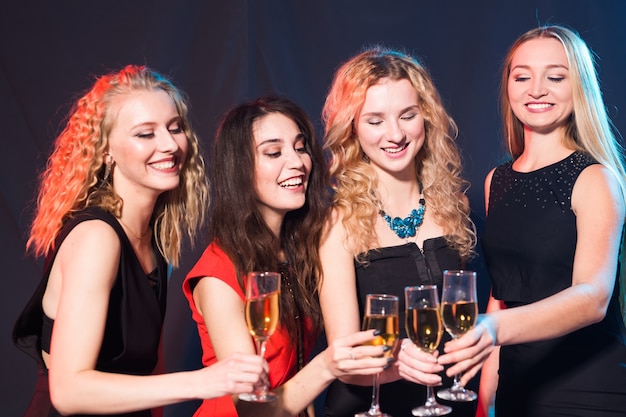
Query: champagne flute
[[381, 313], [424, 328], [262, 314], [459, 309]]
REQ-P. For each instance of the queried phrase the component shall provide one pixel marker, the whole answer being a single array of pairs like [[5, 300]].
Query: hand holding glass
[[262, 314], [424, 328], [459, 309], [381, 313]]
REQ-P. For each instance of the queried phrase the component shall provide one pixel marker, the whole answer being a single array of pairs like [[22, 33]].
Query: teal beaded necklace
[[407, 227]]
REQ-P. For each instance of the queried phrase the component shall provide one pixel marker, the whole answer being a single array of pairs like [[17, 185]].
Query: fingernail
[[377, 332], [386, 348]]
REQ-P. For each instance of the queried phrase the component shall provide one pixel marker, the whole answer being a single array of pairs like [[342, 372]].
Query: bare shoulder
[[488, 177], [597, 185], [333, 226], [93, 242]]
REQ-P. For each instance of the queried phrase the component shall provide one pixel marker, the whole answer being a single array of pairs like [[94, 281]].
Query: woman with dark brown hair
[[267, 215]]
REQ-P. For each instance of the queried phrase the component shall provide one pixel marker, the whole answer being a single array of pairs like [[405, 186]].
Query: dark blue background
[[222, 52]]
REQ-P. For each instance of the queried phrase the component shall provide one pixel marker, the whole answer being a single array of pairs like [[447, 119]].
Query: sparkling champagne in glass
[[381, 313], [459, 309], [424, 328], [262, 314]]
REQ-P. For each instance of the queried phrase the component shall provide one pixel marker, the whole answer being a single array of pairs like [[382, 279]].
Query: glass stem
[[456, 384], [375, 407], [260, 347], [430, 396]]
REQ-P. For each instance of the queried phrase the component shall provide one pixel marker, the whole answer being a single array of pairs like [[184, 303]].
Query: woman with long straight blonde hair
[[552, 242]]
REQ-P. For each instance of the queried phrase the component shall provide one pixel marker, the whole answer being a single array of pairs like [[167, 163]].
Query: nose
[[395, 133], [166, 142], [294, 159], [537, 88]]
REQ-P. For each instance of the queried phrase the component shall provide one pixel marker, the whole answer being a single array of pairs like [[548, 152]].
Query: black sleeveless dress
[[389, 270], [529, 242], [134, 318]]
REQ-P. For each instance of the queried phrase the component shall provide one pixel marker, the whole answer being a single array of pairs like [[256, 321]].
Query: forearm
[[93, 392], [306, 385], [294, 395], [551, 317]]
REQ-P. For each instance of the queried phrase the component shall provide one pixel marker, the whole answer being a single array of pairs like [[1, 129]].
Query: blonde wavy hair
[[75, 174], [438, 163], [589, 130]]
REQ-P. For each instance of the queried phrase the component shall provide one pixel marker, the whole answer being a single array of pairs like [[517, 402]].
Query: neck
[[541, 150], [399, 196], [136, 221]]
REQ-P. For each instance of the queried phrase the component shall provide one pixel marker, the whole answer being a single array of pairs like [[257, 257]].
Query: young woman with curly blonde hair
[[123, 185], [393, 152]]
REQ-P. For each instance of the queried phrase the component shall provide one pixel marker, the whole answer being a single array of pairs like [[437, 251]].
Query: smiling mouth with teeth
[[539, 106], [164, 165], [395, 150], [291, 183]]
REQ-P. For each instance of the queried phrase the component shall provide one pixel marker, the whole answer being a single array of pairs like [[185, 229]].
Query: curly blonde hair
[[75, 174], [438, 163]]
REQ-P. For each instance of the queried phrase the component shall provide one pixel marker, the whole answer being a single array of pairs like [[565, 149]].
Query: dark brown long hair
[[237, 224]]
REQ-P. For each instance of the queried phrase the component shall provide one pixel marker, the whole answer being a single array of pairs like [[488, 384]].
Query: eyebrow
[[551, 66], [174, 119], [380, 114], [299, 136]]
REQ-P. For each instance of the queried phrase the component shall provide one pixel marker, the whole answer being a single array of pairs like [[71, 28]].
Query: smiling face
[[539, 85], [147, 144], [390, 127], [282, 167]]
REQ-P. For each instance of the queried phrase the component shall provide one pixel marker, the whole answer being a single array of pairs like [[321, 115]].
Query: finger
[[371, 351], [355, 339], [469, 374], [422, 374], [474, 361], [478, 352], [468, 339], [247, 358], [413, 352]]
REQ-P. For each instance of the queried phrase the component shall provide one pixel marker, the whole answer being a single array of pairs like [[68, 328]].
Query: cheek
[[366, 138], [417, 129], [514, 91], [307, 162], [264, 173], [184, 145]]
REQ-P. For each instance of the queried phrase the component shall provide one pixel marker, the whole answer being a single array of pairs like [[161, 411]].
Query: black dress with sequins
[[529, 241], [388, 271]]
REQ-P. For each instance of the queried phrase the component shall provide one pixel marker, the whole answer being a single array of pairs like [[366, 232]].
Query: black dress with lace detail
[[388, 270], [529, 241], [133, 325]]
